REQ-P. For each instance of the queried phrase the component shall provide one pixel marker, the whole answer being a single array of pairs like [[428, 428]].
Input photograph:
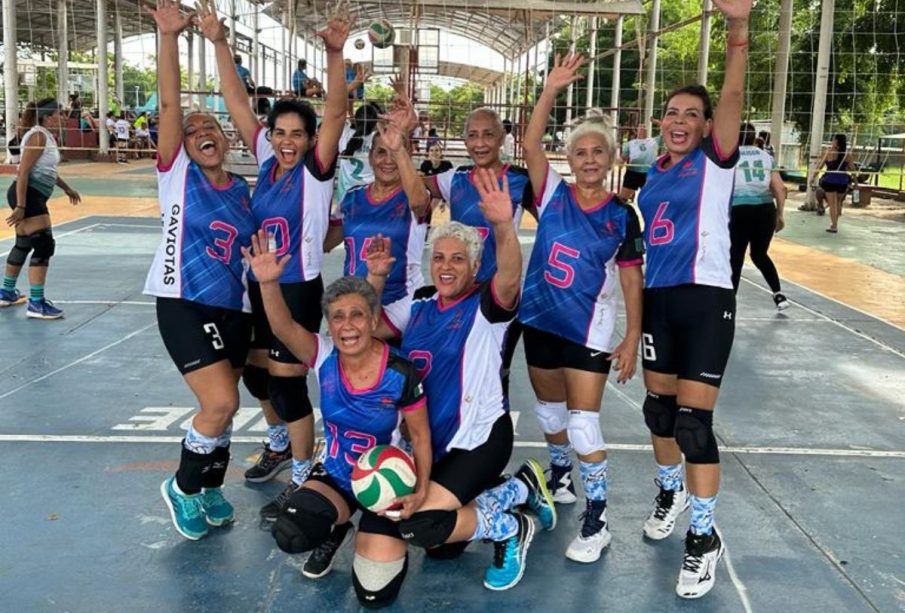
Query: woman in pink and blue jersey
[[585, 234], [689, 305], [198, 278], [291, 202]]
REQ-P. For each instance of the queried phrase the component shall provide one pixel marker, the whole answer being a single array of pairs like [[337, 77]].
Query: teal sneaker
[[540, 500], [186, 510], [509, 557], [217, 509]]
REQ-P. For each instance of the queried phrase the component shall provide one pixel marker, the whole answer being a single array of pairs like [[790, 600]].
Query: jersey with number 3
[[458, 189], [357, 419], [294, 209], [686, 219], [752, 177], [204, 226], [570, 286], [363, 218]]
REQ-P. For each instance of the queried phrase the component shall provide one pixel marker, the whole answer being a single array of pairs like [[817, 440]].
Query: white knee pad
[[552, 417], [584, 432]]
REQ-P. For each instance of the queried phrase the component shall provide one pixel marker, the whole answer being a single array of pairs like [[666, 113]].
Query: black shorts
[[550, 351], [197, 335], [35, 201], [687, 331], [369, 522], [304, 302], [634, 179], [467, 473], [835, 188]]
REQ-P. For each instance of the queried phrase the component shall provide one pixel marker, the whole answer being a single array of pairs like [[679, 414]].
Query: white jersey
[[752, 177], [355, 169], [121, 127], [43, 175]]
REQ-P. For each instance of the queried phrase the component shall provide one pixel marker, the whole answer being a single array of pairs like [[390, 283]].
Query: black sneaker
[[271, 510], [320, 561], [269, 465], [698, 574], [781, 302], [560, 484]]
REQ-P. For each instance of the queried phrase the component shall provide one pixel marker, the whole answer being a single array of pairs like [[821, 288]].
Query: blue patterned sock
[[702, 514], [223, 439], [278, 436], [593, 477], [9, 282], [670, 476], [560, 455], [494, 525], [300, 470], [503, 497], [199, 443], [37, 293]]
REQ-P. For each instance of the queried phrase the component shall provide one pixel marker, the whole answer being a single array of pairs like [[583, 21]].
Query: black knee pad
[[20, 251], [381, 596], [660, 414], [289, 397], [43, 246], [694, 434], [256, 380], [214, 473], [447, 551], [428, 528], [305, 521]]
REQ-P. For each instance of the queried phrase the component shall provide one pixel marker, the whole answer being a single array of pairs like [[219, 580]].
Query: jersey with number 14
[[571, 280], [752, 177], [686, 219]]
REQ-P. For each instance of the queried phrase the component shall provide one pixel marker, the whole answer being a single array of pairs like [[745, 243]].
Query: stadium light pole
[[62, 53], [781, 78], [103, 95], [650, 81], [823, 74]]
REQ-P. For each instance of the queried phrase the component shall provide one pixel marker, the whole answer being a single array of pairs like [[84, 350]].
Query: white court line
[[60, 235], [113, 302], [78, 361], [739, 586], [125, 438]]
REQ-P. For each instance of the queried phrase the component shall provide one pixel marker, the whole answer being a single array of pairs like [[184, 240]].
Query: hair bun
[[594, 116]]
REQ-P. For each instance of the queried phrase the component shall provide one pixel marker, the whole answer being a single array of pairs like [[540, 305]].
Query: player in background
[[638, 155], [568, 309], [199, 280]]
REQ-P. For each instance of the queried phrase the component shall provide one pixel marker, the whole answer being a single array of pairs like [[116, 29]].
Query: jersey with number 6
[[357, 419], [752, 177], [204, 226], [686, 219], [570, 286], [294, 209]]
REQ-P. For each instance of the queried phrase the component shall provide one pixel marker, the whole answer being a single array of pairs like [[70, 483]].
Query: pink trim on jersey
[[396, 332], [420, 404], [596, 207], [719, 152], [335, 222], [383, 368], [317, 350], [302, 217], [225, 187], [697, 228], [538, 197], [185, 205], [659, 165], [317, 159], [503, 171], [436, 183], [452, 303], [629, 263], [167, 167], [497, 300], [371, 199], [254, 143]]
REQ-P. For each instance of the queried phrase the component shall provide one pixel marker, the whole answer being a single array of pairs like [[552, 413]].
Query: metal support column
[[704, 53], [781, 78], [650, 82], [823, 74], [118, 85], [617, 74], [103, 96], [592, 69], [62, 53]]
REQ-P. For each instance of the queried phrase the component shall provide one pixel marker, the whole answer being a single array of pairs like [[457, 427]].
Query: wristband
[[743, 43]]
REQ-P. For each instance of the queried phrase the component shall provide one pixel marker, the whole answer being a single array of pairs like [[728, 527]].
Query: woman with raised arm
[[291, 202], [199, 280], [365, 387], [568, 310], [689, 306]]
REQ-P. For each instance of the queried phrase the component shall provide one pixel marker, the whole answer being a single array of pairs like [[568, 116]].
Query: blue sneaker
[[186, 510], [43, 309], [509, 557], [11, 297], [540, 500], [217, 509]]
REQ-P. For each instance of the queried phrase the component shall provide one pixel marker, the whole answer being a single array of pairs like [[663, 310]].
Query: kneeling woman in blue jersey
[[689, 306], [569, 306], [198, 278], [455, 336], [365, 386]]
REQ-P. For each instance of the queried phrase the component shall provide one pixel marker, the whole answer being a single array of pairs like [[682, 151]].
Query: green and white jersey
[[354, 170], [752, 177], [43, 175], [641, 153]]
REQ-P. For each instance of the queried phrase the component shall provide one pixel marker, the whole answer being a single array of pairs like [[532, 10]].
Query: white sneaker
[[667, 507], [698, 572], [593, 537], [560, 485]]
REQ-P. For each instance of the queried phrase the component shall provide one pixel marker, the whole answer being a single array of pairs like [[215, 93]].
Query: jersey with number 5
[[570, 286], [686, 219], [204, 226], [357, 419]]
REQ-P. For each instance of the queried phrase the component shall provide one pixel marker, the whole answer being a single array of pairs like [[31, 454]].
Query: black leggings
[[753, 225]]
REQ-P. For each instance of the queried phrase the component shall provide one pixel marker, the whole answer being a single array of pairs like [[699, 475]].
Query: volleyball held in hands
[[381, 34], [382, 474]]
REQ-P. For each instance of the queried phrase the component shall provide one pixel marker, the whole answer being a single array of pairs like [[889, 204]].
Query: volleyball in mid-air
[[382, 474], [359, 44], [381, 34]]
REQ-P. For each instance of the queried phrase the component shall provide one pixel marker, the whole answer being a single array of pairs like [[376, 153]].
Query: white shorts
[[396, 314]]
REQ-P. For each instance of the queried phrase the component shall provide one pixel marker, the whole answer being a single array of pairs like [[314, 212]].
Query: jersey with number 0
[[458, 189], [570, 287], [353, 169], [204, 226], [686, 219], [357, 419], [294, 209], [363, 218], [641, 153], [456, 348], [752, 177]]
